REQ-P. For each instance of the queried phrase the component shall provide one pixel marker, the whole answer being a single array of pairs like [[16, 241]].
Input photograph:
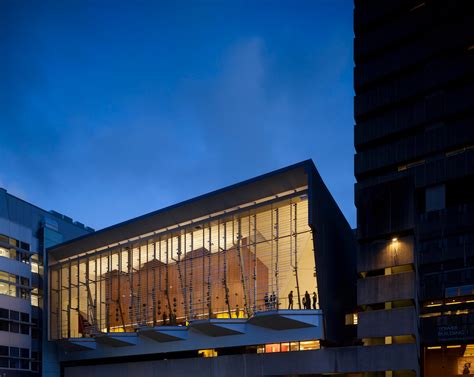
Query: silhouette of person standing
[[307, 300], [290, 300], [265, 299], [466, 370], [273, 300], [315, 300]]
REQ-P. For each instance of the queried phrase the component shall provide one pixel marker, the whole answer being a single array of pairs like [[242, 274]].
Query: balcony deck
[[164, 333]]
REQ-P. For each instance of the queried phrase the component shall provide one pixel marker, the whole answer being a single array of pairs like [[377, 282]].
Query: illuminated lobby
[[265, 266]]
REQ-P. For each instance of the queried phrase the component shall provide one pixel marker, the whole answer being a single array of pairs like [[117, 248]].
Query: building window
[[274, 347], [435, 198], [306, 345], [4, 325], [207, 353], [25, 329], [35, 263], [35, 367], [14, 351], [14, 358], [14, 363], [34, 297], [309, 345], [17, 322], [4, 313], [35, 268], [352, 319], [285, 347], [12, 252], [13, 285], [24, 364], [34, 333], [294, 346], [14, 327]]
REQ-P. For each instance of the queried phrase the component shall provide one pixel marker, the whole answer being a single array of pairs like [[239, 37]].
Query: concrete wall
[[381, 323], [386, 288], [196, 340], [331, 360], [385, 253]]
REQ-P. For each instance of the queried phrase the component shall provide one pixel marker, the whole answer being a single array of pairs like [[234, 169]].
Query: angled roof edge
[[271, 183]]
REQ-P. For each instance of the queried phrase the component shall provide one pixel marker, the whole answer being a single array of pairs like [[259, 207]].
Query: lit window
[[309, 345], [294, 346], [427, 315], [34, 297], [34, 267], [4, 252], [351, 319], [432, 304], [4, 289], [469, 350], [274, 347], [453, 302], [207, 353], [285, 347]]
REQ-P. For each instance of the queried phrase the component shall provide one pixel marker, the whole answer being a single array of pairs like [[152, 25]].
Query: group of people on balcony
[[307, 299], [270, 301]]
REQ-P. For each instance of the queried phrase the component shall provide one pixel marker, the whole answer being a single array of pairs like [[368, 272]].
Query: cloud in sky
[[112, 112]]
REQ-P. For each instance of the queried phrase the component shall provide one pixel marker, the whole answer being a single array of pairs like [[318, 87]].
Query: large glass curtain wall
[[229, 266]]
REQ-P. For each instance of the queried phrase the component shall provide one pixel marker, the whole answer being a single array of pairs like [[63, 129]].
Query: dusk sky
[[111, 110]]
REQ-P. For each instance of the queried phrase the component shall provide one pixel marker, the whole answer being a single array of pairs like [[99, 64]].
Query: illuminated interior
[[307, 345], [232, 264], [449, 360]]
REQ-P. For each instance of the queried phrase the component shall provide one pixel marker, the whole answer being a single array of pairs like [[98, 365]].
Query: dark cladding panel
[[336, 250], [386, 208]]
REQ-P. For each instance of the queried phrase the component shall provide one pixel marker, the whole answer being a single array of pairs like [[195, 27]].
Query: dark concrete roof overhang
[[273, 183]]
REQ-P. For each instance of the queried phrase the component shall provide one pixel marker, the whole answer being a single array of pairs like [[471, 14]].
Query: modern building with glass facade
[[265, 277], [25, 232], [261, 268]]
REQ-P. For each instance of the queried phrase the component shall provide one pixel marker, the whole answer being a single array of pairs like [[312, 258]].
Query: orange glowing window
[[274, 347], [285, 347]]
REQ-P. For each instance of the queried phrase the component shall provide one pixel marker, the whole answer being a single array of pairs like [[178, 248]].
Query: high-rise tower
[[414, 138]]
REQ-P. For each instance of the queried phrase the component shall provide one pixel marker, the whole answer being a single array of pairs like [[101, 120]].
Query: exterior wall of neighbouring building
[[25, 232], [414, 138]]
